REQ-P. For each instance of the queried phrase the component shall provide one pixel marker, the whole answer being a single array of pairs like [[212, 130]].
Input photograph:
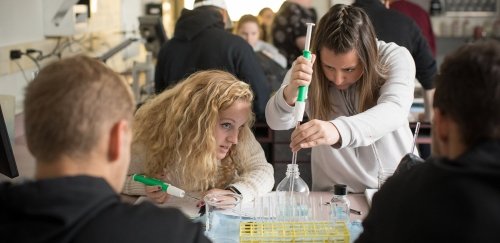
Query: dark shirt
[[393, 26], [201, 43], [421, 18], [288, 25], [85, 209], [440, 200]]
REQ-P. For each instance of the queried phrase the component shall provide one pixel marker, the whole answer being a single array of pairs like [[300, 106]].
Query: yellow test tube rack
[[307, 231]]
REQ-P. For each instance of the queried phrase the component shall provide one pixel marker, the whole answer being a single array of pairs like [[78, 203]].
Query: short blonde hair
[[176, 130], [70, 105]]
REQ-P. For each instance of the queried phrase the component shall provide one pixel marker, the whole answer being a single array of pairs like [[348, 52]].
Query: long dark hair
[[342, 29]]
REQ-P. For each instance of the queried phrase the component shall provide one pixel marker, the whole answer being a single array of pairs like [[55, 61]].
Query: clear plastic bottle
[[340, 204], [292, 192], [292, 181]]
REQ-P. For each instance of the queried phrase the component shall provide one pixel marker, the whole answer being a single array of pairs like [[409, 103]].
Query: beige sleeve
[[136, 166], [256, 177]]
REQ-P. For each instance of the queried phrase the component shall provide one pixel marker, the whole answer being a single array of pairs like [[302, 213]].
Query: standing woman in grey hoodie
[[360, 94]]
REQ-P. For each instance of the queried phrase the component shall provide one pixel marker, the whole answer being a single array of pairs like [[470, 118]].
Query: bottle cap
[[340, 189]]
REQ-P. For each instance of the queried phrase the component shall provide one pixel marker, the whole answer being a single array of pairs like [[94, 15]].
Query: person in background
[[360, 94], [289, 27], [200, 42], [78, 121], [248, 29], [454, 195], [266, 17], [270, 59], [419, 15], [196, 136], [393, 26]]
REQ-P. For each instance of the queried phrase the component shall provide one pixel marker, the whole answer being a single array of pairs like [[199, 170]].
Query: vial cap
[[340, 189]]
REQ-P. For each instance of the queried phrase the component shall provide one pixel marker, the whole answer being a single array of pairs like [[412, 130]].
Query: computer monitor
[[153, 32], [8, 165]]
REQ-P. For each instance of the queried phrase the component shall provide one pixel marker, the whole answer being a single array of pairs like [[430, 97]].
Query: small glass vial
[[292, 181], [340, 205]]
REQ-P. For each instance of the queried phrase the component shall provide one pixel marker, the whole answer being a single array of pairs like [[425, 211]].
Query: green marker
[[172, 190]]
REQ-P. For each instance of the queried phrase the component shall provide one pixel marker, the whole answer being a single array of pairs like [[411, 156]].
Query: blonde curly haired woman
[[196, 136]]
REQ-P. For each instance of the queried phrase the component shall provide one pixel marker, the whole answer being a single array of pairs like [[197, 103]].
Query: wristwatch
[[233, 189]]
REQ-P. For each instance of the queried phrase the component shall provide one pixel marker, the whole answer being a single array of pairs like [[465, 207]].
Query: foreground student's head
[[467, 99], [77, 119]]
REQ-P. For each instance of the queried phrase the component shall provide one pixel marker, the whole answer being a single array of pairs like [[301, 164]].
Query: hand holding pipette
[[314, 132], [296, 91], [300, 104]]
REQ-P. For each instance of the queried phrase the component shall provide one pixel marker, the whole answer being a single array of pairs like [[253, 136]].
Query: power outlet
[[15, 54]]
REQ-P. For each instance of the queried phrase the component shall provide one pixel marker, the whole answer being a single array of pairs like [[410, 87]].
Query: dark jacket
[[393, 26], [85, 209], [199, 43], [440, 200]]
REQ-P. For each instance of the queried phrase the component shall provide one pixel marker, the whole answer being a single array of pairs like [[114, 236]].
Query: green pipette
[[300, 104]]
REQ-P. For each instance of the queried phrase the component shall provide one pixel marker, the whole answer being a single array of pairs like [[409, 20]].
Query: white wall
[[20, 21], [21, 27]]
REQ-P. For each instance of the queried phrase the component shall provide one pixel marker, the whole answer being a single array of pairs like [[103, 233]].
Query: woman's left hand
[[314, 133]]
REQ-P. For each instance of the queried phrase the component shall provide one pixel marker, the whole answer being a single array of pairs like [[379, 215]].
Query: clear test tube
[[313, 203], [256, 210], [262, 209], [265, 208]]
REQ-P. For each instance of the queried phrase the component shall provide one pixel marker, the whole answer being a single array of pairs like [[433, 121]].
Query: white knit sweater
[[255, 178], [378, 136]]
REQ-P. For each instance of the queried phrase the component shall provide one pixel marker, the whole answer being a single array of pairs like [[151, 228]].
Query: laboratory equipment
[[153, 32], [417, 128], [221, 209], [292, 194], [64, 17], [8, 165], [320, 231], [292, 181], [146, 87], [340, 205], [171, 190], [300, 106], [410, 159]]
